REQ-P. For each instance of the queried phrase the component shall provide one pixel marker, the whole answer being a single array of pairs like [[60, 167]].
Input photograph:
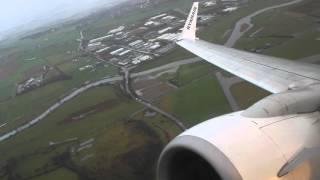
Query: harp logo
[[194, 10]]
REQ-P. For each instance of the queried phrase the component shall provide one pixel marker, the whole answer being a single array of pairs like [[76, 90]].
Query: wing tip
[[190, 27]]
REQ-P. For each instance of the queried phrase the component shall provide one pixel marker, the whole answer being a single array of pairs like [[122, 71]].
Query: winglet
[[189, 30]]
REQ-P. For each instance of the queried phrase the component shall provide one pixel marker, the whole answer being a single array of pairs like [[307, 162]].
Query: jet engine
[[234, 147]]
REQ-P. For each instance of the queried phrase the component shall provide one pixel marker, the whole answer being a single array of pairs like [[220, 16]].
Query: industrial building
[[150, 38]]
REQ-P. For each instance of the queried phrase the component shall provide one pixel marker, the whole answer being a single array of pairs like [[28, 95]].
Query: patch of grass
[[247, 94], [293, 49], [61, 173], [191, 72], [129, 150], [196, 102], [164, 127]]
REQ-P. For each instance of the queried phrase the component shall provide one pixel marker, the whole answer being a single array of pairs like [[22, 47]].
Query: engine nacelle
[[235, 147], [192, 158]]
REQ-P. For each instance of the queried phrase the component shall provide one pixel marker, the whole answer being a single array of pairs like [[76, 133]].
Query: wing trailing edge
[[273, 74]]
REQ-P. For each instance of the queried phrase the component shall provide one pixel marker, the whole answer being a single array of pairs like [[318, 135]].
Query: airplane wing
[[272, 74]]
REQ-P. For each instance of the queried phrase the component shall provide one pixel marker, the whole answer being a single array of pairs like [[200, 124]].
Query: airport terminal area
[[99, 96]]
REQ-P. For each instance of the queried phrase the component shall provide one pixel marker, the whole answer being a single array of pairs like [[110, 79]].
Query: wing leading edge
[[272, 74]]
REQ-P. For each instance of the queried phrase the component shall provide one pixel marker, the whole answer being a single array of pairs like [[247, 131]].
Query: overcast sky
[[17, 13]]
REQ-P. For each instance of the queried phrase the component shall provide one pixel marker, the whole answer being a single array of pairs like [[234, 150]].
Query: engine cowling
[[233, 147]]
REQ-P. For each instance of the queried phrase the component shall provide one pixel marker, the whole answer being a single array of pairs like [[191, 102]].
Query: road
[[226, 83], [166, 67], [149, 105], [237, 33], [58, 104], [3, 125]]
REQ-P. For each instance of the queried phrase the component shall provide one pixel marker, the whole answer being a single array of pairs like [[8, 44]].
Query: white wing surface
[[272, 74]]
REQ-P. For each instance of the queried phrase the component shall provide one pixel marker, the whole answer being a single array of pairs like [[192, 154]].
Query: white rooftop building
[[148, 23], [103, 50], [95, 44], [135, 62], [119, 33], [141, 58], [134, 43], [169, 36], [101, 38], [230, 9], [85, 67], [115, 52], [205, 17], [164, 30], [158, 16], [156, 45], [210, 3], [119, 29], [124, 52], [168, 18], [152, 23], [145, 58]]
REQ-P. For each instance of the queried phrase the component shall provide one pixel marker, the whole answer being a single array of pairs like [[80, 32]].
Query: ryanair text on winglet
[[191, 17]]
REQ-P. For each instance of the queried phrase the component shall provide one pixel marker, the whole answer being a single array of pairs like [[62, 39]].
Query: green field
[[120, 137], [26, 106], [247, 94], [192, 72], [294, 28], [199, 97]]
